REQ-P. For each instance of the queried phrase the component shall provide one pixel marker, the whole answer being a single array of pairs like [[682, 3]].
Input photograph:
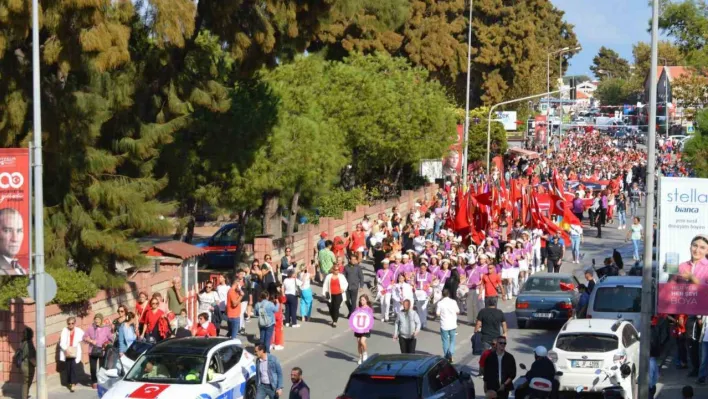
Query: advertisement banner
[[683, 246], [14, 211], [540, 128], [452, 162]]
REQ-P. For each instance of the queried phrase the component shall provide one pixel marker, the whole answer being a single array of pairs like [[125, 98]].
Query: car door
[[234, 383]]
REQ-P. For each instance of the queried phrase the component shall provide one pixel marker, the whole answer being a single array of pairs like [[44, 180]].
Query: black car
[[408, 376]]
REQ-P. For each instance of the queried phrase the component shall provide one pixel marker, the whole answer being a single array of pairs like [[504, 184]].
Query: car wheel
[[251, 389], [521, 324]]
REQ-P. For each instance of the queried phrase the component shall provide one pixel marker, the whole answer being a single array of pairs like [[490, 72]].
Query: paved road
[[328, 355]]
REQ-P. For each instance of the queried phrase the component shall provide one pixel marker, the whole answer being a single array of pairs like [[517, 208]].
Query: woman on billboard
[[694, 271]]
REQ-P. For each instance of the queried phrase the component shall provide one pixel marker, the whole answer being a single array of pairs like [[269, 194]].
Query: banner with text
[[14, 211], [683, 246]]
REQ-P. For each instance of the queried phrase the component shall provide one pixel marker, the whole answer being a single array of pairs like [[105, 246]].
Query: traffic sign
[[50, 288]]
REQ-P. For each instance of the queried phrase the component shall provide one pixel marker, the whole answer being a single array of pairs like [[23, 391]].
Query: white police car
[[188, 368]]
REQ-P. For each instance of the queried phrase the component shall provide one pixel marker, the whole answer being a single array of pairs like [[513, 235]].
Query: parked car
[[547, 297], [221, 247], [408, 376], [617, 298], [186, 368], [584, 346]]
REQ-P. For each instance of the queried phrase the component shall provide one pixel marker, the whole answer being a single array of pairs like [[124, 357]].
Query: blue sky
[[616, 24]]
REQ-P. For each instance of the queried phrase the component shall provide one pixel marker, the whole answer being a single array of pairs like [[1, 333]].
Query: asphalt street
[[328, 355]]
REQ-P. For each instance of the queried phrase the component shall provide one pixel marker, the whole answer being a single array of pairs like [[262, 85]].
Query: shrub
[[73, 288], [338, 200]]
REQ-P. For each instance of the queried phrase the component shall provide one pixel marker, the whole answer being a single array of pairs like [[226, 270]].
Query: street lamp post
[[666, 95], [489, 119], [548, 80], [647, 280], [467, 101]]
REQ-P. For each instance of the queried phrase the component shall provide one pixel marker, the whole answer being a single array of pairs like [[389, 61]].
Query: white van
[[617, 297]]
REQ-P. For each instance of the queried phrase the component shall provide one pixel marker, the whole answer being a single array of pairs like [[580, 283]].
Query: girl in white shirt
[[208, 299], [401, 291], [290, 287], [222, 290]]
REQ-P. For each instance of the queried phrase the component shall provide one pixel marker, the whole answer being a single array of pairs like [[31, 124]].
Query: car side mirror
[[465, 376], [522, 366], [112, 373], [217, 378]]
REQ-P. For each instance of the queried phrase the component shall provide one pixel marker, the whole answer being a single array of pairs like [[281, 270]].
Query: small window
[[632, 335], [441, 376], [229, 356], [587, 343], [618, 299]]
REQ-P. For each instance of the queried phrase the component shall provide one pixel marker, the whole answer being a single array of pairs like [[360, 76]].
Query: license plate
[[543, 315], [585, 364]]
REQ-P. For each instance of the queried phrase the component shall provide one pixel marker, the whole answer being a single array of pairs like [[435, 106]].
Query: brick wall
[[22, 314], [305, 240]]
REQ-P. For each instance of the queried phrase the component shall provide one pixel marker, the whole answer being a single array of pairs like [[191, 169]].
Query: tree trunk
[[239, 257], [272, 223], [294, 209]]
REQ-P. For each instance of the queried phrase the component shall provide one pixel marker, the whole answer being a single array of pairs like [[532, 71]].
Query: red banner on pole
[[14, 211]]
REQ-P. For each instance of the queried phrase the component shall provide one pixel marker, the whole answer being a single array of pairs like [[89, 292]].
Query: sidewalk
[[672, 380]]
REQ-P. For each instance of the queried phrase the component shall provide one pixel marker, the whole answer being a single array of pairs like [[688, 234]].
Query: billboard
[[431, 169], [508, 119], [452, 162], [14, 211], [540, 128], [683, 246]]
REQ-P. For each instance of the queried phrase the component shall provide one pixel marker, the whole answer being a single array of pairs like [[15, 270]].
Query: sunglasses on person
[[70, 324], [501, 343]]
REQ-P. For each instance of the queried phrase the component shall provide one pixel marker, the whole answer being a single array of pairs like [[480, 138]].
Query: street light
[[666, 94], [489, 119], [560, 74], [467, 101]]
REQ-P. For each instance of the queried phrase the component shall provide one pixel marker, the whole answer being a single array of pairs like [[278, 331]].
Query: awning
[[525, 153], [175, 249]]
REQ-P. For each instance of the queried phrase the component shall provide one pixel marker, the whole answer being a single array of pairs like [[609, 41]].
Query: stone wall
[[22, 314], [305, 240]]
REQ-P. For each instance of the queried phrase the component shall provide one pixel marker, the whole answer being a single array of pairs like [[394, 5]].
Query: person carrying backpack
[[265, 310]]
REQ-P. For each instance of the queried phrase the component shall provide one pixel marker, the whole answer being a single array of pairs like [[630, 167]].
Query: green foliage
[[686, 22], [614, 92], [695, 150], [335, 202], [478, 136], [607, 64], [73, 287]]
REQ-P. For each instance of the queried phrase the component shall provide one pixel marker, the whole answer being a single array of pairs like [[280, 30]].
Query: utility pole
[[467, 101], [647, 280], [560, 94], [39, 294]]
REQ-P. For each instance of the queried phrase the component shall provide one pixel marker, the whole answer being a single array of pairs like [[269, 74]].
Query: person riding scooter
[[542, 367]]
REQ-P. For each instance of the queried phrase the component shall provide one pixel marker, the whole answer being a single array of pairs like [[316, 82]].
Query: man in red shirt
[[492, 283], [486, 354]]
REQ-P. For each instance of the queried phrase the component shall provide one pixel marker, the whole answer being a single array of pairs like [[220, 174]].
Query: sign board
[[452, 161], [14, 211], [508, 119], [683, 239], [362, 320], [431, 169], [540, 129], [50, 288], [690, 129]]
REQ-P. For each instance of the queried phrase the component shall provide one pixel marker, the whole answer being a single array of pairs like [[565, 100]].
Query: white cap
[[541, 351], [386, 261]]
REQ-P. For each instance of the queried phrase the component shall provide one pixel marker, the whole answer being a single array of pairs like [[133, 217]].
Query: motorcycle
[[616, 374], [537, 388]]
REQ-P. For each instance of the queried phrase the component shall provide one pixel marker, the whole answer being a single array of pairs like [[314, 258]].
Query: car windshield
[[546, 284], [587, 343], [373, 387], [617, 299], [168, 368], [136, 349]]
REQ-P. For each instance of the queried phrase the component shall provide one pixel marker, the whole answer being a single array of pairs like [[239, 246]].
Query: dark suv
[[408, 377]]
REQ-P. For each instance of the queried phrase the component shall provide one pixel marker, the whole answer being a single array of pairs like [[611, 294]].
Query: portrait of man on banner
[[14, 211]]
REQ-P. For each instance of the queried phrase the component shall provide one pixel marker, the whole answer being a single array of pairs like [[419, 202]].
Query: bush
[[338, 200], [73, 287]]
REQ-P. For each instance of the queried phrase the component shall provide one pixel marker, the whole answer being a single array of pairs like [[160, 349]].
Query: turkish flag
[[461, 220], [148, 391]]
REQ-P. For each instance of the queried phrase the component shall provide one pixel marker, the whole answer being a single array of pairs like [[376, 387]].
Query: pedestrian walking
[[234, 306], [222, 291], [27, 360], [635, 233], [622, 212], [384, 283], [326, 259], [483, 357], [406, 328], [334, 290], [265, 310], [491, 324], [299, 390], [98, 336], [576, 238], [126, 333], [475, 295], [555, 251], [269, 374], [492, 282], [448, 310], [423, 278], [70, 351], [578, 206], [305, 293], [635, 199], [278, 298], [354, 275], [361, 337], [291, 287], [150, 321], [500, 370]]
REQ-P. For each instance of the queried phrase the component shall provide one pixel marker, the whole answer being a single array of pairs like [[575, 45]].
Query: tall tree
[[614, 92], [686, 22], [690, 91], [696, 149], [607, 64]]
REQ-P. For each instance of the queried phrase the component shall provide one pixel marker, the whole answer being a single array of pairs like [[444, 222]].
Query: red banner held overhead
[[14, 211]]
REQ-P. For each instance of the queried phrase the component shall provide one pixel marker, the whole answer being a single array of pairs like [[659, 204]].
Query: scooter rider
[[542, 367]]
